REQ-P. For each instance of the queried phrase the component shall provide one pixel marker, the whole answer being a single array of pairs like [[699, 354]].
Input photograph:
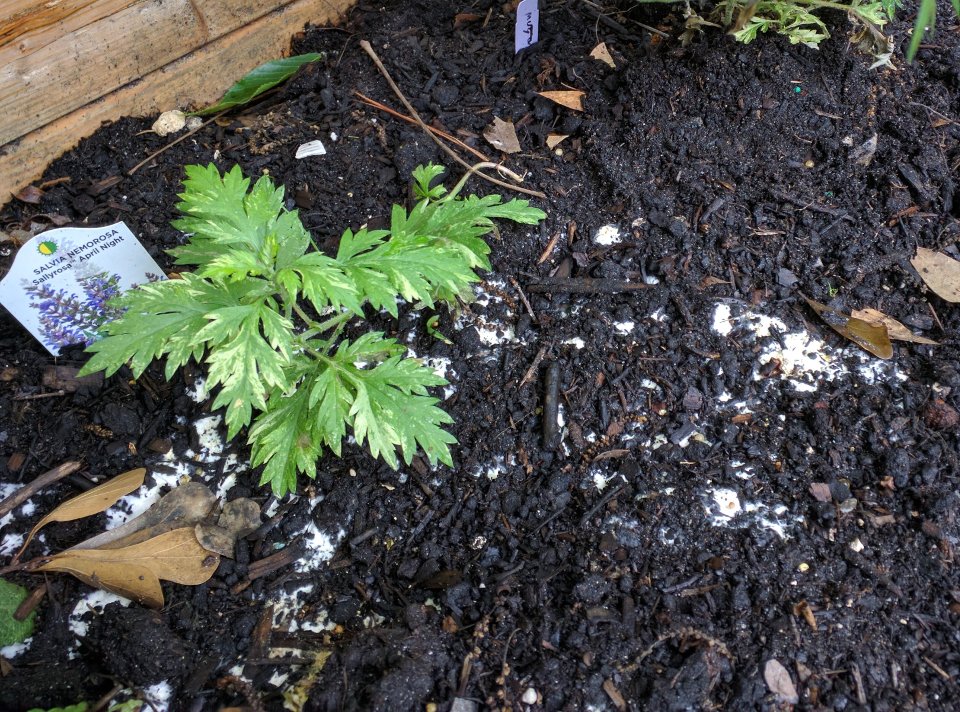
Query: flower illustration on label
[[47, 247]]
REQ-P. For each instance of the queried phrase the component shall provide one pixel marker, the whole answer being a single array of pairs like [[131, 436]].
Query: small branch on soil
[[528, 376], [410, 120], [551, 405], [523, 298], [38, 396], [585, 285], [446, 149], [30, 489], [807, 204], [616, 26]]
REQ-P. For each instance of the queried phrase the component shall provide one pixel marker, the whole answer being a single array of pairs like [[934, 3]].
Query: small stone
[[856, 545], [169, 122], [530, 696]]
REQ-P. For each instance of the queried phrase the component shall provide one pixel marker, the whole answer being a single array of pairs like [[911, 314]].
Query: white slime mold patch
[[724, 508], [607, 235], [805, 361]]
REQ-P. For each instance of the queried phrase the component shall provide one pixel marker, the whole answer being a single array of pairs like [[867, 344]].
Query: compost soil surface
[[713, 499]]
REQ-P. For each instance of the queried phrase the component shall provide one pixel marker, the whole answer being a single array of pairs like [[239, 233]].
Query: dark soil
[[728, 170]]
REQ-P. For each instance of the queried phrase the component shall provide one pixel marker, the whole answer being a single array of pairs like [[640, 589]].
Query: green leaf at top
[[11, 630], [259, 80]]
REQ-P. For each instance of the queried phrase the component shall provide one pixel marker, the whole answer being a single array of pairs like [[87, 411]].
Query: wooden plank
[[32, 25], [193, 80], [45, 76], [92, 61]]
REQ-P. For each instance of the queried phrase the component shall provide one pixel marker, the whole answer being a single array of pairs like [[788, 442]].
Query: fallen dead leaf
[[554, 139], [183, 506], [31, 194], [820, 491], [570, 98], [803, 609], [462, 19], [895, 329], [502, 136], [867, 336], [135, 572], [90, 502], [939, 272], [601, 53], [238, 518], [779, 682]]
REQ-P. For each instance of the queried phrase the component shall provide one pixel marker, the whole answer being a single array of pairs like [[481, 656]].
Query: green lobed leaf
[[11, 630], [259, 80]]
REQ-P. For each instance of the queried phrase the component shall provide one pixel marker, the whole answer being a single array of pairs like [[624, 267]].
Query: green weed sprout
[[265, 310]]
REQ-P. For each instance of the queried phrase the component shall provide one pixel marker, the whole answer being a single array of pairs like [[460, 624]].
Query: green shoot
[[265, 311]]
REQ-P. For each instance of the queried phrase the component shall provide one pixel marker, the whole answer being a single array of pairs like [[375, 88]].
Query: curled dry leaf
[[184, 506], [779, 682], [939, 272], [895, 329], [869, 337], [91, 502], [554, 139], [31, 194], [502, 136], [135, 571], [238, 518], [570, 98], [601, 53]]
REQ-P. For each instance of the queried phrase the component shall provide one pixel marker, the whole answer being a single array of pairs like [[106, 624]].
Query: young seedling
[[266, 311]]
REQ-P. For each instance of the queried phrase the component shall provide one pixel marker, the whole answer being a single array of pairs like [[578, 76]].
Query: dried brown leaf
[[895, 329], [183, 506], [820, 491], [779, 682], [803, 609], [870, 337], [502, 136], [940, 272], [91, 502], [601, 53], [135, 571], [238, 518], [570, 98], [555, 139], [31, 194]]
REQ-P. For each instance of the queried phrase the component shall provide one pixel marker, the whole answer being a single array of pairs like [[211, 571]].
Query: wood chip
[[779, 682], [572, 98]]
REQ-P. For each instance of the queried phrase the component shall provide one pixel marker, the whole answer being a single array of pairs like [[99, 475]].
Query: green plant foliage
[[11, 630], [259, 80], [265, 311], [79, 707], [796, 20]]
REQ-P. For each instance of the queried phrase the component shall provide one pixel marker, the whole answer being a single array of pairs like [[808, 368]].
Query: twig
[[551, 405], [528, 376], [173, 143], [38, 396], [410, 120], [585, 285], [446, 149], [616, 26], [31, 488], [523, 298], [807, 204]]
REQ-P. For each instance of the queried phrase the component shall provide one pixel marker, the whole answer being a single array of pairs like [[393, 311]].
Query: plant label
[[527, 30], [61, 280]]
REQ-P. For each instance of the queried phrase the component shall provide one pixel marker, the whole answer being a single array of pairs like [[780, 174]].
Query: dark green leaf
[[259, 80]]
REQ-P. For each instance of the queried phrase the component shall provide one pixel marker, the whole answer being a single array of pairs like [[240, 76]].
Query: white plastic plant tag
[[311, 148], [61, 279], [527, 30]]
